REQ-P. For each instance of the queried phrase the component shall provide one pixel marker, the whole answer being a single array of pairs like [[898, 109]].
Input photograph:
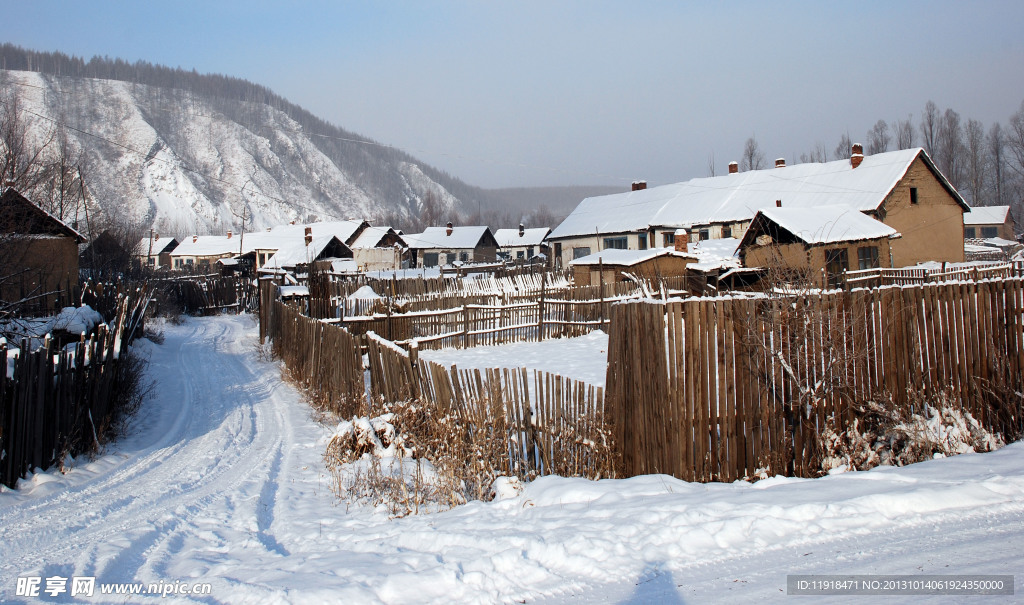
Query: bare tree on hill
[[752, 158]]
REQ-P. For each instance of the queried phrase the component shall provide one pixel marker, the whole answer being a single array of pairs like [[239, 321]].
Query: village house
[[155, 251], [256, 248], [378, 249], [985, 222], [902, 189], [816, 245], [438, 246], [299, 254], [521, 244], [38, 255], [613, 265]]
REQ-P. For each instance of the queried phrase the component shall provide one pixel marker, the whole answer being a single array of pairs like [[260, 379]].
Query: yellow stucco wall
[[932, 229]]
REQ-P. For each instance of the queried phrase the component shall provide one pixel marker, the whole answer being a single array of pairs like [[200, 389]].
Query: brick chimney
[[229, 233], [778, 203], [780, 163], [522, 230], [449, 229], [734, 167], [195, 238], [639, 185], [857, 155], [309, 235], [156, 236], [682, 241]]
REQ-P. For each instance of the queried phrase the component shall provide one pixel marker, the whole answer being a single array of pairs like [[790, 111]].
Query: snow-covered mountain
[[186, 162]]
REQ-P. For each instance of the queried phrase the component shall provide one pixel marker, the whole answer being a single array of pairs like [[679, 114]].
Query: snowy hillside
[[186, 163]]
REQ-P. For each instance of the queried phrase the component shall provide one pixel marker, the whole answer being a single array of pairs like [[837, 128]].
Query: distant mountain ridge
[[195, 153]]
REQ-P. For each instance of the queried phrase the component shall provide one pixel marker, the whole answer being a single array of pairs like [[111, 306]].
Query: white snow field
[[222, 482]]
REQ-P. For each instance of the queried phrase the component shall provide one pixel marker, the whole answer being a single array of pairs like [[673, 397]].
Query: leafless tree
[[904, 130], [995, 143], [878, 138], [1015, 141], [949, 147], [976, 162], [818, 154], [845, 148], [752, 158], [711, 164], [929, 127]]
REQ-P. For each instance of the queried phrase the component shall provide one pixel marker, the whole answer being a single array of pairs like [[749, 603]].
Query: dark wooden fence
[[57, 402], [543, 422], [204, 294], [715, 389]]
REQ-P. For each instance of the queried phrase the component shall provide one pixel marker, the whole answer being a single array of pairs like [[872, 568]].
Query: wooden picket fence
[[717, 388], [57, 402], [873, 278], [546, 423], [323, 358], [549, 424], [204, 294]]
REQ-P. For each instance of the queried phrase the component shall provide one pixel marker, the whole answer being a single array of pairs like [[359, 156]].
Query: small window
[[430, 259], [464, 257], [988, 232], [520, 254], [669, 239], [867, 257], [529, 252], [705, 235], [913, 195], [616, 243], [580, 252], [969, 233], [836, 262], [642, 241], [726, 231]]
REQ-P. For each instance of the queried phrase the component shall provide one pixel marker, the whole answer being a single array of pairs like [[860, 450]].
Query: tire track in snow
[[222, 444]]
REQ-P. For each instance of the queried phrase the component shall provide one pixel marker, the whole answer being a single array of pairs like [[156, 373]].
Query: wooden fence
[[545, 423], [208, 294], [873, 278], [714, 389], [556, 427], [57, 402]]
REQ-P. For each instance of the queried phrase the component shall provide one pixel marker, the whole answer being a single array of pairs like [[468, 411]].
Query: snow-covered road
[[222, 482]]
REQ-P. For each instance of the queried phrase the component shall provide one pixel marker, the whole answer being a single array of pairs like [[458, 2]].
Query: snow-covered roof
[[738, 197], [510, 238], [370, 237], [299, 253], [437, 237], [715, 253], [986, 215], [828, 224], [159, 245], [272, 239], [627, 258]]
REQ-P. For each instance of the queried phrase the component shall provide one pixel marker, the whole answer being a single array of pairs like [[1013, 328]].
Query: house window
[[836, 261], [969, 233], [668, 239], [520, 254], [913, 195], [987, 232], [616, 243], [642, 241], [464, 257], [558, 250], [529, 252], [867, 257], [704, 235], [430, 259], [580, 252], [726, 231]]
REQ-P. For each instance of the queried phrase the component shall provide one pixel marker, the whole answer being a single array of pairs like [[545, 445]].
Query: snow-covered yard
[[223, 482], [583, 358]]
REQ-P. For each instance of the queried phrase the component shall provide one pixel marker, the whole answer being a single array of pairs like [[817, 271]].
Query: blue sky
[[582, 92]]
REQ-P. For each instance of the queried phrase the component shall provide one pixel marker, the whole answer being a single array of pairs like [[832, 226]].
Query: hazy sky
[[538, 93]]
